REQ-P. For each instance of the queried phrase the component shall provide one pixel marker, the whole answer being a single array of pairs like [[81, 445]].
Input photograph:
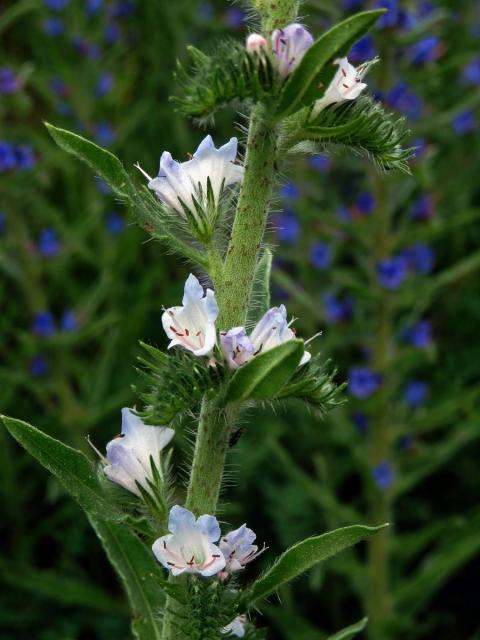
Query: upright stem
[[380, 440], [234, 280], [249, 226]]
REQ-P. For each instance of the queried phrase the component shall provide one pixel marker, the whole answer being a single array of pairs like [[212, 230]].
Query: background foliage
[[385, 267]]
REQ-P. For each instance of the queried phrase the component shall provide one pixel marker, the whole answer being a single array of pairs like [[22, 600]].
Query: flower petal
[[180, 519], [209, 526]]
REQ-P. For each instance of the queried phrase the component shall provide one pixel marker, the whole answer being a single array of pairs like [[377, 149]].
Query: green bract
[[263, 377]]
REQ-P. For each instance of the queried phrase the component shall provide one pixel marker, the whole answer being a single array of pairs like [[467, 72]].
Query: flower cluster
[[191, 546], [192, 326]]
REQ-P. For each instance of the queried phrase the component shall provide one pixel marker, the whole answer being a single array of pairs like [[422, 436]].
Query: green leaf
[[304, 555], [139, 573], [104, 163], [316, 69], [264, 376], [16, 11], [72, 468], [362, 126], [260, 298], [351, 631]]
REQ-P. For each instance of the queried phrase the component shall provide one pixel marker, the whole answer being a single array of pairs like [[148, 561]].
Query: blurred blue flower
[[360, 420], [103, 132], [104, 84], [280, 294], [363, 382], [464, 123], [289, 190], [403, 99], [56, 5], [8, 81], [53, 27], [383, 475], [420, 258], [48, 243], [111, 33], [8, 158], [58, 86], [391, 272], [68, 321], [25, 157], [102, 186], [3, 221], [362, 51], [406, 442], [92, 7], [287, 227], [419, 145], [38, 366], [43, 324], [320, 163], [425, 50], [415, 393], [114, 223], [234, 18], [337, 309], [419, 335], [122, 9], [321, 255], [389, 19], [344, 214], [352, 5], [471, 72], [85, 48], [422, 208], [206, 11], [365, 203]]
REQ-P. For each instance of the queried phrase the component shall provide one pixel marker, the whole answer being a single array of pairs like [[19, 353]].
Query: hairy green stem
[[249, 226]]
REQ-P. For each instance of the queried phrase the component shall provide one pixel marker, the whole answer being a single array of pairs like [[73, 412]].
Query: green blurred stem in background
[[233, 286], [378, 604]]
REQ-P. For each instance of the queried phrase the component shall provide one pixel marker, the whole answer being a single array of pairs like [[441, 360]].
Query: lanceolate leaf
[[309, 80], [139, 573], [260, 298], [304, 555], [104, 163], [71, 467], [351, 631], [264, 376]]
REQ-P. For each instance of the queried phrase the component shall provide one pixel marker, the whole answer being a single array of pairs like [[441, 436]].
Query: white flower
[[180, 182], [256, 43], [193, 325], [130, 455], [289, 46], [272, 330], [236, 627], [189, 548], [238, 549], [346, 85]]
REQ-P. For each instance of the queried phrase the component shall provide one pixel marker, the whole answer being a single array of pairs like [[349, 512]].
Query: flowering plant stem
[[233, 294]]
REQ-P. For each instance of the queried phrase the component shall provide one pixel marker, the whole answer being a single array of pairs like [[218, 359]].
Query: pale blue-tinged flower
[[193, 325], [272, 330], [346, 84], [238, 548], [189, 547], [236, 627], [289, 45], [179, 183], [130, 456]]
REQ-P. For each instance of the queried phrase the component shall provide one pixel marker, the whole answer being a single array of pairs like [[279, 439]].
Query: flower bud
[[256, 43]]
